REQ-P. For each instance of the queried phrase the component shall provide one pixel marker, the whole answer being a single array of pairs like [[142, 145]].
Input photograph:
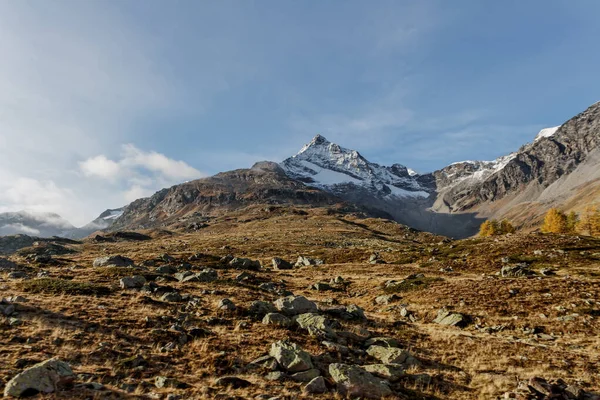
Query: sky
[[106, 101]]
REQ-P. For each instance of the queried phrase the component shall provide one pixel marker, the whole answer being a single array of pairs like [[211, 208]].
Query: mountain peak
[[317, 141]]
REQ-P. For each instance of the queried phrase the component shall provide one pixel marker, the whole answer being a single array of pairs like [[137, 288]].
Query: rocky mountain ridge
[[560, 167]]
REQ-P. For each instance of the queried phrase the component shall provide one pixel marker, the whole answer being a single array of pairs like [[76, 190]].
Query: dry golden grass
[[99, 333]]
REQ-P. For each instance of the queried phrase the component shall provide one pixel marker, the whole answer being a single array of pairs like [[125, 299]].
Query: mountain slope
[[104, 221], [547, 172], [194, 203]]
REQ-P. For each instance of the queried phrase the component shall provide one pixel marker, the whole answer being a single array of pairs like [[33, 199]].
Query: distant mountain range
[[41, 224], [560, 167]]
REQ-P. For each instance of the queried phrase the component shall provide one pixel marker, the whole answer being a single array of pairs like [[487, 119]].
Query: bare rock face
[[45, 377]]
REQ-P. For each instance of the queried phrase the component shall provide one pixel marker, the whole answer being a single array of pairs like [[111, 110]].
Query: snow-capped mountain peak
[[328, 166]]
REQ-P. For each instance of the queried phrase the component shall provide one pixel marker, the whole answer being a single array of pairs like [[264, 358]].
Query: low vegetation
[[471, 333]]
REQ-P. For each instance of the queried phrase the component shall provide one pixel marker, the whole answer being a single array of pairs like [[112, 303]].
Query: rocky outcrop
[[45, 377]]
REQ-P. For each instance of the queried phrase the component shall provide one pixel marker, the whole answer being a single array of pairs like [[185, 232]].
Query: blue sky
[[105, 101]]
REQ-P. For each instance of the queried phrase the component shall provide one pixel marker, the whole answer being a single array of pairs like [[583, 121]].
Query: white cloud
[[100, 166], [159, 163], [142, 172]]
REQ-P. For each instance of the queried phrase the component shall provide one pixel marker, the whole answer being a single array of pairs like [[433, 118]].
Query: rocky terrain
[[295, 301]]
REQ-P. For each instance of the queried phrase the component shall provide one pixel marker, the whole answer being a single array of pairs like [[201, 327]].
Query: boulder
[[390, 372], [166, 269], [280, 265], [447, 318], [245, 263], [132, 282], [207, 275], [113, 261], [306, 261], [306, 376], [290, 356], [259, 309], [353, 381], [226, 305], [172, 297], [316, 324], [386, 299], [295, 305], [388, 355], [316, 386], [277, 319], [45, 377]]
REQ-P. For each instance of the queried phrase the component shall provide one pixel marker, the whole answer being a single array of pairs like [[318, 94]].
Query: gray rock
[[390, 372], [132, 282], [259, 309], [355, 312], [383, 342], [266, 362], [226, 305], [353, 381], [295, 305], [306, 376], [185, 276], [166, 269], [268, 287], [316, 324], [321, 287], [244, 276], [45, 377], [388, 355], [113, 261], [386, 299], [306, 261], [316, 386], [290, 356], [245, 263], [7, 265], [276, 376], [172, 297], [280, 265], [207, 275], [17, 275], [277, 319], [447, 318], [7, 309], [516, 271]]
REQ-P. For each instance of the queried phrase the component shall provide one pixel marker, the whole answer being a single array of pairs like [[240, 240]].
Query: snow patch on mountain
[[474, 171], [545, 133], [327, 165]]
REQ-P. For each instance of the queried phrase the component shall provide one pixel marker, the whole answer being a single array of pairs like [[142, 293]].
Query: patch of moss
[[62, 286]]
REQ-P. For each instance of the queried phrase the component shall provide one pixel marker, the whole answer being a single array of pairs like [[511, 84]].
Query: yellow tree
[[506, 227], [490, 228], [572, 222], [555, 222], [590, 221]]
